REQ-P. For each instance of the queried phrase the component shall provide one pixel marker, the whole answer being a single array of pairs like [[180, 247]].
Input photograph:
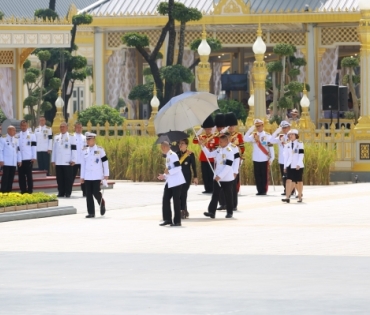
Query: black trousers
[[260, 176], [227, 188], [25, 177], [207, 176], [43, 160], [283, 175], [77, 169], [184, 192], [8, 178], [174, 193], [222, 199], [92, 190], [64, 174]]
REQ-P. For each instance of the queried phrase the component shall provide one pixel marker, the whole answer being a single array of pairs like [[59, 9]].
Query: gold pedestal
[[259, 78], [204, 73], [151, 128], [59, 118], [250, 119]]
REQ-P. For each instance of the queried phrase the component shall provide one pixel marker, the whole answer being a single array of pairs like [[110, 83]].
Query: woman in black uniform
[[187, 161]]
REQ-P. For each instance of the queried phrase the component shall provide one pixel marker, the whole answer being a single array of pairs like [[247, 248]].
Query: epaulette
[[299, 141], [99, 147], [228, 149], [233, 145], [267, 134], [4, 136], [57, 134], [71, 133]]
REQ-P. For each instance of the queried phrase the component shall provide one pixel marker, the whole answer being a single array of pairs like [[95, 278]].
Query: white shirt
[[224, 159], [236, 163], [27, 145], [175, 176], [9, 151], [294, 154], [94, 163], [281, 140], [264, 138], [64, 149], [44, 138], [80, 145]]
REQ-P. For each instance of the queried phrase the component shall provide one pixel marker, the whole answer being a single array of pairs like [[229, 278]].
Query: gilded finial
[[154, 90], [251, 87], [304, 88], [259, 30], [204, 34], [59, 92]]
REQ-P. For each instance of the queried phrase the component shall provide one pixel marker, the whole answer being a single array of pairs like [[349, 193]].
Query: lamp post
[[59, 117], [305, 120], [259, 76], [155, 104], [203, 69], [364, 32]]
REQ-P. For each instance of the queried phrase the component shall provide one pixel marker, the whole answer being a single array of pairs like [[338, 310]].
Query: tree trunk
[[181, 43], [274, 94], [52, 4], [356, 108], [282, 79]]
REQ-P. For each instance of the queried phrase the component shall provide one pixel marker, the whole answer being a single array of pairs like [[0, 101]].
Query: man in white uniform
[[223, 177], [9, 157], [174, 179], [80, 145], [44, 139], [263, 155], [27, 147], [64, 157], [94, 170]]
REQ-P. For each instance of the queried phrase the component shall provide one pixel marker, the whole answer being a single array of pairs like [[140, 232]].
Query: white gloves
[[277, 131], [214, 129], [199, 132], [225, 129], [250, 130], [105, 183]]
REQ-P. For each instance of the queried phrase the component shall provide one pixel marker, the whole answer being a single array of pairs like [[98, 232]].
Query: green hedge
[[17, 199]]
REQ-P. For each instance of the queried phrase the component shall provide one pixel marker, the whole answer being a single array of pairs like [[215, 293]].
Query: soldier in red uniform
[[211, 142]]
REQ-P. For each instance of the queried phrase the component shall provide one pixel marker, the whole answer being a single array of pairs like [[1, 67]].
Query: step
[[35, 174]]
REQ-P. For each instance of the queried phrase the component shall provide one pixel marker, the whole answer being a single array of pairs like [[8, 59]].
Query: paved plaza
[[271, 258]]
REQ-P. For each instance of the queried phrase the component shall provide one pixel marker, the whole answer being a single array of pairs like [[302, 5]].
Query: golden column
[[259, 76], [362, 129], [59, 117], [154, 103], [203, 69], [305, 120], [250, 119]]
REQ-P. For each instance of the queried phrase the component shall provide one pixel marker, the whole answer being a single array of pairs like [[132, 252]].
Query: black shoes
[[68, 196], [209, 214], [260, 194], [229, 216], [286, 200], [90, 216], [283, 194], [235, 209], [175, 224], [60, 196], [206, 192], [165, 223], [102, 207], [221, 208]]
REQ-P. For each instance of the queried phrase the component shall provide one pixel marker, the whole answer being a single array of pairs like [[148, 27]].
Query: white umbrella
[[185, 111]]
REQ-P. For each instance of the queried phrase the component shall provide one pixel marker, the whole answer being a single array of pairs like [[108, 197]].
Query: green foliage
[[44, 55], [120, 104], [30, 77], [294, 72], [30, 101], [284, 49], [28, 117], [214, 43], [159, 56], [274, 66], [177, 74], [233, 106], [147, 71], [49, 73], [99, 114], [46, 14], [181, 13], [89, 71], [78, 74], [355, 78], [27, 64], [285, 102], [135, 40], [78, 62], [142, 92], [45, 106], [54, 83], [35, 71], [2, 116], [1, 15], [298, 62], [295, 87], [349, 115], [81, 19], [350, 62]]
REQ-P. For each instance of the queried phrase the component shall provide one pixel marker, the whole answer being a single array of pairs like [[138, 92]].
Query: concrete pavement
[[271, 258]]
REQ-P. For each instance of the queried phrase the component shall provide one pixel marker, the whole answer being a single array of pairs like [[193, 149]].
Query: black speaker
[[343, 98], [330, 97]]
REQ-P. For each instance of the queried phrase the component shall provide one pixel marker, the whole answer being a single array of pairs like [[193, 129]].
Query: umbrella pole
[[210, 165]]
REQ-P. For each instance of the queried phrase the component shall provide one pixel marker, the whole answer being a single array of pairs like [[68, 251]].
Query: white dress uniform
[[294, 154], [224, 161], [80, 146], [263, 154], [9, 155], [64, 153], [27, 147], [174, 180], [44, 140], [94, 167]]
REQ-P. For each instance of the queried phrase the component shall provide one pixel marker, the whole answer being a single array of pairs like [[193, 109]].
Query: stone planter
[[9, 209], [42, 205], [1, 209], [21, 207], [53, 203], [32, 206]]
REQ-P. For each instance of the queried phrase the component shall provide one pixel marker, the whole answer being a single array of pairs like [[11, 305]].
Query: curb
[[37, 213], [340, 183]]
